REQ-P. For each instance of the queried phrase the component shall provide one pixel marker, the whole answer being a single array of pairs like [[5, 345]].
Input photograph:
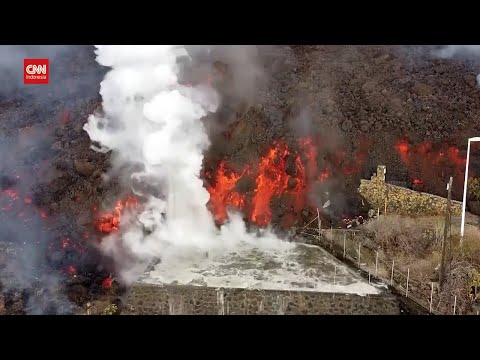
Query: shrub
[[470, 249], [397, 234], [474, 188], [110, 310]]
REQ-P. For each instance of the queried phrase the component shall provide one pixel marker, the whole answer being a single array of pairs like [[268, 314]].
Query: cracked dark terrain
[[345, 95]]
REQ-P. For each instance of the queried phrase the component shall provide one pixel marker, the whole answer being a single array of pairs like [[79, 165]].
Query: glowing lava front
[[282, 173], [423, 160], [223, 195], [110, 222]]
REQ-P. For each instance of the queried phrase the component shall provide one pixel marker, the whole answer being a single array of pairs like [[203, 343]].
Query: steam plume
[[149, 118]]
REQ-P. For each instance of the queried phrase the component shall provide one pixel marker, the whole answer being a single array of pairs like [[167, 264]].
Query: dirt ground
[[341, 93]]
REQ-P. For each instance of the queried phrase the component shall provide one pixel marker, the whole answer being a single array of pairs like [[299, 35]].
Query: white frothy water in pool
[[287, 267]]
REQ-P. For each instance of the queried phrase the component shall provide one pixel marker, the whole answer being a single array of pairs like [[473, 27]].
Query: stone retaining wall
[[145, 299], [403, 201]]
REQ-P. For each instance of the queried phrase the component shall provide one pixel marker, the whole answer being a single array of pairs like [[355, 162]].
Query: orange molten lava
[[107, 282], [110, 222], [423, 159], [402, 148], [282, 174], [223, 195], [273, 180]]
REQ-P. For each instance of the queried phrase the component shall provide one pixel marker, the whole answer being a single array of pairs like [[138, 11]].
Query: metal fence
[[346, 245]]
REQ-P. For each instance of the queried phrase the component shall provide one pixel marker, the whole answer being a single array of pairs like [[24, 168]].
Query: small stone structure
[[381, 172], [146, 299], [403, 201]]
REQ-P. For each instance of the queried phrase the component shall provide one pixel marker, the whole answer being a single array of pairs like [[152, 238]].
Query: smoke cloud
[[24, 240], [151, 120], [28, 120]]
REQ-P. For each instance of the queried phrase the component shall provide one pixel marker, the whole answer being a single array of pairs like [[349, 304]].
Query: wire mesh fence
[[347, 245]]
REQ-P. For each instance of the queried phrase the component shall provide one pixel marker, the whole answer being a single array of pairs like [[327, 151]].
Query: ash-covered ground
[[350, 99]]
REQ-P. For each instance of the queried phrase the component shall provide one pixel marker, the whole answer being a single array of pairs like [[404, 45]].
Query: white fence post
[[344, 244], [454, 304], [431, 299], [408, 277], [369, 277], [359, 247], [391, 277], [335, 276], [376, 265]]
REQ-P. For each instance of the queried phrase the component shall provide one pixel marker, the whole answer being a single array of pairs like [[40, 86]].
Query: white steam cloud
[[463, 50], [149, 118]]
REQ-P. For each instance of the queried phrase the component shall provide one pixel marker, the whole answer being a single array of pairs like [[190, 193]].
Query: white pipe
[[464, 203]]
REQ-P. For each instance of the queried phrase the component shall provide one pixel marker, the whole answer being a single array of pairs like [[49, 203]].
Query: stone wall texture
[[404, 201], [145, 299]]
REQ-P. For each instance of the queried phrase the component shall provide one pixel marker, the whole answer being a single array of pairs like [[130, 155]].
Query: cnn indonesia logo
[[35, 71]]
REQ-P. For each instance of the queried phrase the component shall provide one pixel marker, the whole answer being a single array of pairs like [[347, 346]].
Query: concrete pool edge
[[148, 299]]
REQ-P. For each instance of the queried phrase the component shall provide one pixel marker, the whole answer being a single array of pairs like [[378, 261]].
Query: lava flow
[[272, 180], [282, 173], [422, 160], [32, 218], [110, 222], [223, 194], [10, 200]]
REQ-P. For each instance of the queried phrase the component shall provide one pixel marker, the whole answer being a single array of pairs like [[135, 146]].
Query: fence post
[[319, 225], [359, 247], [408, 277], [344, 243], [431, 298], [454, 304], [378, 213], [376, 265], [369, 277], [331, 237], [391, 277], [335, 276]]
